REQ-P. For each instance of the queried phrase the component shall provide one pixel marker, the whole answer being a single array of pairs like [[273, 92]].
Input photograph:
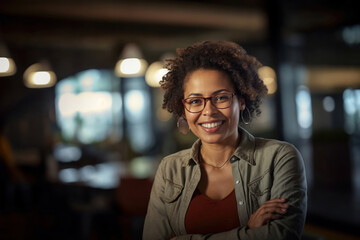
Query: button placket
[[239, 173]]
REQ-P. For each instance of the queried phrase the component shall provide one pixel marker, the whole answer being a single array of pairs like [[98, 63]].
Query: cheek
[[186, 115], [190, 118], [235, 115]]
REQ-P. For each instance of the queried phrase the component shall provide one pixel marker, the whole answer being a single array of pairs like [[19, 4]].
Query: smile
[[211, 125]]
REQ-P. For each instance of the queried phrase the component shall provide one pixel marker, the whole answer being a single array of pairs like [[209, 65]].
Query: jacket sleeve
[[157, 224], [289, 182]]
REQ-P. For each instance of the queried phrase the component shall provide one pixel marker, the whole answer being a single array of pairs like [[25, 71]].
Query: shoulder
[[173, 169], [183, 157], [174, 162], [273, 145], [276, 151], [264, 148], [178, 157]]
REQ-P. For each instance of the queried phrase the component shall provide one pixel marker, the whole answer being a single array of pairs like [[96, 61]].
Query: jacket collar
[[244, 151]]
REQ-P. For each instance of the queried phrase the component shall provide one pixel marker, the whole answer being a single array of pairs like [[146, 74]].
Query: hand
[[267, 212]]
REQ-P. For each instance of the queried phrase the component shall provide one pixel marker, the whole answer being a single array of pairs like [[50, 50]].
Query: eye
[[222, 97], [194, 101]]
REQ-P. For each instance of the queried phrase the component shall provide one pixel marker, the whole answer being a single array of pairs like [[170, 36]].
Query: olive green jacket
[[263, 169]]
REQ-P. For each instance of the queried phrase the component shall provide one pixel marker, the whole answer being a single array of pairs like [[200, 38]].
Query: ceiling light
[[7, 64], [268, 75], [39, 75], [155, 73], [131, 63]]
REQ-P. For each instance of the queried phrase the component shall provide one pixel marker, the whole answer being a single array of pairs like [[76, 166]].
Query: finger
[[272, 209], [275, 208], [268, 217], [274, 205]]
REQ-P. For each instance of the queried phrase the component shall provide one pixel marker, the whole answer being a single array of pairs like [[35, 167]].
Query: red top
[[206, 215]]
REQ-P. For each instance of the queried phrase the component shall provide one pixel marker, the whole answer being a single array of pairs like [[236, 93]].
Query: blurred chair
[[132, 197]]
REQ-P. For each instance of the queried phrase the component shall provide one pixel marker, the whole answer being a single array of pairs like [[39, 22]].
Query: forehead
[[206, 81]]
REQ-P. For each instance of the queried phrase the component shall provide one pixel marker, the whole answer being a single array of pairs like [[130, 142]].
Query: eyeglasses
[[197, 104]]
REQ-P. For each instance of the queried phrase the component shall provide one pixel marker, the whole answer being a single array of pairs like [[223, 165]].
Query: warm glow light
[[4, 64], [67, 104], [130, 67], [41, 78], [160, 73], [155, 73], [7, 66], [86, 102], [268, 75], [39, 75], [68, 88], [93, 102], [131, 63], [332, 79]]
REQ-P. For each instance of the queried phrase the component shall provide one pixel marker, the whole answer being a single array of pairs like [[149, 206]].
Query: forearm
[[275, 230]]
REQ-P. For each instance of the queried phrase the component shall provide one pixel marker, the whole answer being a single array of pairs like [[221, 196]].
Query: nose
[[209, 107]]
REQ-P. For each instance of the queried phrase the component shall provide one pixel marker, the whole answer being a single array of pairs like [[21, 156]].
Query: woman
[[229, 185]]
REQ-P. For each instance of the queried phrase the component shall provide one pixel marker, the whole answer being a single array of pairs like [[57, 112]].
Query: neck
[[217, 154]]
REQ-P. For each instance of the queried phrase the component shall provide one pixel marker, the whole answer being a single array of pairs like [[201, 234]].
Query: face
[[212, 125]]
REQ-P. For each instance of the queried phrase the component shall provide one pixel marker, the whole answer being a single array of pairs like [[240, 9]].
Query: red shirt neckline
[[206, 215]]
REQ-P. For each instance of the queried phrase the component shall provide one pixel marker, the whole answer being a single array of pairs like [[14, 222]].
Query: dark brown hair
[[224, 56]]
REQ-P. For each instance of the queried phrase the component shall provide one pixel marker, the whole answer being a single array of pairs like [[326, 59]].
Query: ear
[[242, 104]]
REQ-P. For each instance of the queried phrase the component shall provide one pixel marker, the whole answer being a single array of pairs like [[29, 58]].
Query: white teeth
[[211, 125]]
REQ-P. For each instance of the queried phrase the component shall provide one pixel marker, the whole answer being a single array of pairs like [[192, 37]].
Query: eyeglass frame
[[205, 101]]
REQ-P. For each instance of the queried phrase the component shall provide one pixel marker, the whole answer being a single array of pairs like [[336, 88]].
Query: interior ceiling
[[98, 24], [80, 34], [160, 23]]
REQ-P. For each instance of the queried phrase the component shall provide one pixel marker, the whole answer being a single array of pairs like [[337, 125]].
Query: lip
[[214, 129]]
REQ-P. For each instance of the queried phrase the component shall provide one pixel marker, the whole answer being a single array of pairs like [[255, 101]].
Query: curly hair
[[224, 56]]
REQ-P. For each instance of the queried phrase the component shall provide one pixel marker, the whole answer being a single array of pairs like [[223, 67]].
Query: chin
[[212, 139]]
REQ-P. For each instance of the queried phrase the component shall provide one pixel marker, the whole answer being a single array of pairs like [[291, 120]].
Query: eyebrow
[[199, 94]]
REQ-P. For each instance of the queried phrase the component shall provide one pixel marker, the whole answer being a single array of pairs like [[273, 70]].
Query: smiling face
[[212, 125]]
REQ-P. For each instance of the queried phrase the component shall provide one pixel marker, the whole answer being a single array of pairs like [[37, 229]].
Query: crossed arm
[[282, 217]]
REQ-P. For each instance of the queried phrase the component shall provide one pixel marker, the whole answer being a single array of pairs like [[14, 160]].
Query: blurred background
[[81, 125]]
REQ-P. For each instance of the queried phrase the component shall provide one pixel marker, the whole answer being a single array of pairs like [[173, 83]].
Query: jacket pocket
[[260, 190], [172, 191]]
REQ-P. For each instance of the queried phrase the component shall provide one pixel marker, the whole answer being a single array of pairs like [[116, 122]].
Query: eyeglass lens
[[197, 104]]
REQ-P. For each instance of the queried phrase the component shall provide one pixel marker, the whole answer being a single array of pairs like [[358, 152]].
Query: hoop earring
[[242, 116], [182, 125]]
